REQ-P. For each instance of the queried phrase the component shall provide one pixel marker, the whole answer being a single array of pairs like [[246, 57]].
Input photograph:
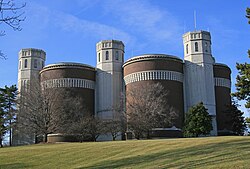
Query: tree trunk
[[45, 137], [137, 136], [81, 138], [36, 139], [148, 134], [93, 138], [10, 132], [1, 142]]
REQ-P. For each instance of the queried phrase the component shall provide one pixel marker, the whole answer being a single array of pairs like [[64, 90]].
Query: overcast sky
[[69, 29]]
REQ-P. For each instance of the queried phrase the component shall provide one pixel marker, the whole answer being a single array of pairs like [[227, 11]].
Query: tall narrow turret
[[199, 76], [31, 61], [110, 58]]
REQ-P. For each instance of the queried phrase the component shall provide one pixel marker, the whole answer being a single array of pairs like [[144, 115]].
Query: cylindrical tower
[[72, 84], [75, 78], [31, 61], [166, 70], [222, 82], [110, 57]]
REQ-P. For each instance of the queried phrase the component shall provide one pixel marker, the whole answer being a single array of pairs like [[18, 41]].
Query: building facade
[[109, 77], [197, 78], [30, 63]]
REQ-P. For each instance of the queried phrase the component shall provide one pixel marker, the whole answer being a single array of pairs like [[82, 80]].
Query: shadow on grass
[[14, 166], [191, 157]]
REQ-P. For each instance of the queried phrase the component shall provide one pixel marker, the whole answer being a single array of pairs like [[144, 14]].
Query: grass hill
[[209, 152]]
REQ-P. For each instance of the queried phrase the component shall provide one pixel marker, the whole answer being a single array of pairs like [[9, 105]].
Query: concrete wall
[[199, 76], [109, 77], [35, 60]]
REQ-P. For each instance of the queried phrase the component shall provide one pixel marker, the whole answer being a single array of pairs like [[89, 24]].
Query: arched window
[[99, 57], [116, 55], [25, 63], [187, 48], [107, 55], [20, 65], [196, 46]]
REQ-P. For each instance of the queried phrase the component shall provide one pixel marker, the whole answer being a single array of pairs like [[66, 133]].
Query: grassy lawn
[[210, 152]]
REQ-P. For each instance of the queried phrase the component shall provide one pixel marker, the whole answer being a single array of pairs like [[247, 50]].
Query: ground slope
[[210, 152]]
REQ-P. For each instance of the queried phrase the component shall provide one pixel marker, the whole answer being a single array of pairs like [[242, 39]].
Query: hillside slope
[[210, 152]]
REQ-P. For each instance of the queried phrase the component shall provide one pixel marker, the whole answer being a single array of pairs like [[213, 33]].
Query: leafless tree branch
[[41, 111], [2, 55], [147, 108], [11, 15]]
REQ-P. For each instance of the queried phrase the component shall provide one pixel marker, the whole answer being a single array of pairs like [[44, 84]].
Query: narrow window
[[99, 57], [25, 63], [107, 55], [35, 63], [187, 48], [116, 55], [206, 47], [24, 83], [42, 64], [20, 65], [196, 47]]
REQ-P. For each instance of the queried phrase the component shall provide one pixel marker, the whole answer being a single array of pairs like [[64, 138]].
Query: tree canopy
[[8, 96], [247, 119], [197, 121], [236, 119], [243, 78], [3, 128]]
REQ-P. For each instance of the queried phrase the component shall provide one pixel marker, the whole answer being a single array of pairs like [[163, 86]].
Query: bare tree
[[40, 111], [79, 129], [87, 128], [113, 127], [95, 127], [116, 125], [147, 108], [12, 15]]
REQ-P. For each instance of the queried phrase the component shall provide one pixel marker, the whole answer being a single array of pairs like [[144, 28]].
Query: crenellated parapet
[[110, 44]]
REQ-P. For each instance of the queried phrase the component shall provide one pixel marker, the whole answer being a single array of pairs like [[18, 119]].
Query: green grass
[[210, 152]]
